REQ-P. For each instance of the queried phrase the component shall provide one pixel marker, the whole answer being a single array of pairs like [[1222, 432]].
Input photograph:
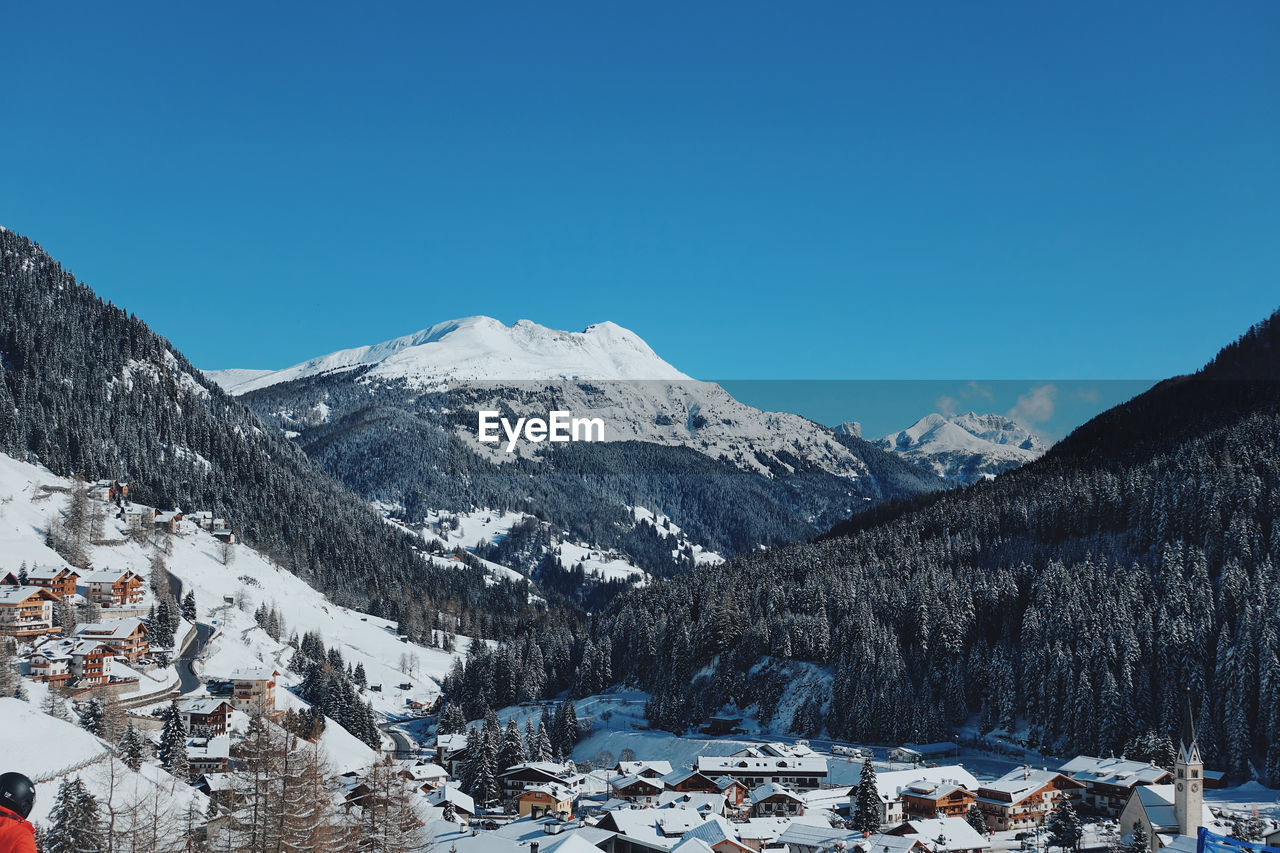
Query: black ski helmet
[[17, 794]]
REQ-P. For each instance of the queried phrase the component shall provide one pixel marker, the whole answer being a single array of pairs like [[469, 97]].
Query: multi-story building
[[26, 612], [1023, 798], [128, 637]]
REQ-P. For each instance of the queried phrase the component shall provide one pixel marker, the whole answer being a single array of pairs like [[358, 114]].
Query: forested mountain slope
[[1077, 597], [87, 388], [401, 432]]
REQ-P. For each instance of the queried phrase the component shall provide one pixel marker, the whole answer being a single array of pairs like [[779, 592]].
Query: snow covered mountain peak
[[966, 447], [481, 349]]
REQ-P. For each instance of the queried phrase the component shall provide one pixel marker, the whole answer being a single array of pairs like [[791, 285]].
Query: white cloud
[[1036, 406], [946, 406]]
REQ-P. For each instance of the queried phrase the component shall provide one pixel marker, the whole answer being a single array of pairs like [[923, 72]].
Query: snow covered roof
[[425, 771], [644, 768], [803, 835], [107, 576], [1113, 771], [645, 781], [1019, 784], [714, 831], [116, 629], [209, 748], [548, 767], [451, 743], [956, 832], [773, 789], [257, 673], [882, 843], [49, 572], [701, 801], [812, 765], [551, 789], [88, 647], [660, 828], [890, 785], [453, 794], [14, 595], [201, 705]]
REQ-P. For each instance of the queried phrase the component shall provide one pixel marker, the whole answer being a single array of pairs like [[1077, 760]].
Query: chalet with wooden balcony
[[26, 612]]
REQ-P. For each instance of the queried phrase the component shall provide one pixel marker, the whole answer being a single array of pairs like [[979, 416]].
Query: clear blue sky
[[761, 190]]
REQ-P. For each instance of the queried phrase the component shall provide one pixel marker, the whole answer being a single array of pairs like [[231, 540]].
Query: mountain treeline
[[89, 389], [1076, 598]]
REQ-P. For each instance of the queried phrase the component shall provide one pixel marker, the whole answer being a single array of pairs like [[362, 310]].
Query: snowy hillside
[[47, 749], [226, 595], [967, 447], [474, 531]]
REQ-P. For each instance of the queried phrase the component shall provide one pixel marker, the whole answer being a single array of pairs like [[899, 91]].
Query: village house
[[114, 490], [532, 774], [543, 800], [206, 520], [26, 612], [891, 785], [462, 804], [688, 781], [254, 688], [1109, 782], [71, 662], [647, 769], [774, 800], [642, 790], [137, 516], [113, 587], [800, 772], [936, 799], [225, 536], [451, 751], [1023, 798], [169, 522], [127, 637], [425, 775], [208, 755], [59, 580], [205, 716], [735, 793]]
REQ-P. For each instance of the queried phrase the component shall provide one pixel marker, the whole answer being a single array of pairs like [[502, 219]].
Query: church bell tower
[[1188, 771]]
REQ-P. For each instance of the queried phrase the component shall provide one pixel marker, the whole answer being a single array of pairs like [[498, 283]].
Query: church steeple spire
[[1188, 748], [1188, 795]]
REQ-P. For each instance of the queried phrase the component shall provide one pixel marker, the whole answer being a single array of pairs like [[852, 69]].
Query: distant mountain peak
[[966, 447], [481, 348]]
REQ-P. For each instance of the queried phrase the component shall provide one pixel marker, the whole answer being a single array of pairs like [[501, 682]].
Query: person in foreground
[[17, 796]]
